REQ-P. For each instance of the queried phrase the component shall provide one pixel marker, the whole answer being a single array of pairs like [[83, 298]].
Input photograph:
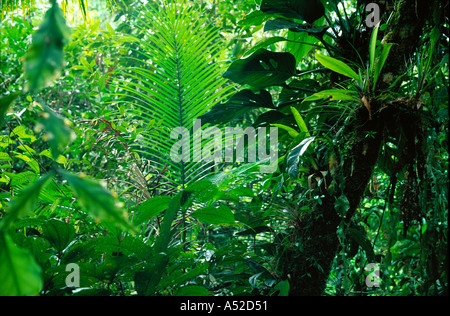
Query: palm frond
[[177, 78]]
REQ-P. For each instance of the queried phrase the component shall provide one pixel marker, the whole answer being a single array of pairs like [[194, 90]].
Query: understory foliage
[[92, 201]]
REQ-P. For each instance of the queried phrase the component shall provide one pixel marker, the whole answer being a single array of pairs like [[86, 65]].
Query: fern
[[178, 77]]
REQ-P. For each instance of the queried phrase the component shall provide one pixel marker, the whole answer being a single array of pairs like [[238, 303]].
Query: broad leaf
[[200, 192], [20, 274], [235, 194], [283, 287], [262, 69], [58, 233], [307, 10], [360, 236], [280, 23], [299, 44], [45, 56], [147, 279], [213, 215], [263, 43], [341, 205], [256, 17], [334, 95], [239, 104], [93, 248], [151, 208], [98, 201], [181, 277], [297, 90], [337, 66], [58, 131], [294, 155]]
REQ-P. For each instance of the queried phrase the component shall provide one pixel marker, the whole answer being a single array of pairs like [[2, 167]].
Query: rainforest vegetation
[[224, 148]]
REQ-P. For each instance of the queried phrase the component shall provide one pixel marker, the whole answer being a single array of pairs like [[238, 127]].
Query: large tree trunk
[[314, 242], [316, 235]]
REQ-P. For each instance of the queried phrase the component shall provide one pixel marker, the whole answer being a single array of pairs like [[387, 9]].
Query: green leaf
[[165, 233], [177, 278], [283, 287], [297, 90], [23, 134], [58, 131], [280, 23], [294, 155], [263, 43], [235, 194], [372, 48], [240, 103], [262, 69], [192, 290], [20, 178], [214, 216], [307, 10], [58, 233], [342, 205], [200, 192], [254, 18], [300, 122], [92, 249], [45, 56], [34, 165], [360, 236], [337, 66], [5, 103], [381, 61], [424, 226], [334, 95], [291, 131], [299, 44], [146, 279], [27, 149], [98, 201], [151, 208], [24, 202], [20, 274], [5, 157]]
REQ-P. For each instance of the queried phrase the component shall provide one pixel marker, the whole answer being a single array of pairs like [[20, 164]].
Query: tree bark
[[316, 235]]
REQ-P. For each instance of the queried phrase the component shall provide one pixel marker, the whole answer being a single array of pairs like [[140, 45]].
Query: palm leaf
[[177, 78]]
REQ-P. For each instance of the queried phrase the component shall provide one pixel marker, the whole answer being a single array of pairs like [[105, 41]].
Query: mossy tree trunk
[[315, 241]]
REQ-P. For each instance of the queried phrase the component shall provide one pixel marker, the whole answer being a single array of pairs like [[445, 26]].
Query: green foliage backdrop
[[91, 90]]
